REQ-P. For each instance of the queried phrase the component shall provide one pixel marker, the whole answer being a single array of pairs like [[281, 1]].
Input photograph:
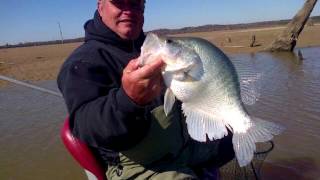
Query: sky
[[35, 20]]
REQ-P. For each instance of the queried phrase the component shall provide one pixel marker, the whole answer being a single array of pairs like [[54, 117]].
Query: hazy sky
[[36, 20]]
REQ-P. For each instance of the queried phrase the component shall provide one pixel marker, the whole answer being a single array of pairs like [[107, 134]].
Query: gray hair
[[103, 1], [144, 1]]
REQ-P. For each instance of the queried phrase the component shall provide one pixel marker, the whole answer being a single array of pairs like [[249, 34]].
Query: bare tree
[[60, 32], [287, 40]]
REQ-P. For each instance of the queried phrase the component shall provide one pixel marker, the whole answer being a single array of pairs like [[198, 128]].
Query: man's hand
[[143, 84]]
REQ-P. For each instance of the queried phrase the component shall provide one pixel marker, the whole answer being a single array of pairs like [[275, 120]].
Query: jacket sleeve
[[101, 114]]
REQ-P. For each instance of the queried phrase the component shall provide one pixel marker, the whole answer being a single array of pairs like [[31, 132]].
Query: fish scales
[[202, 77]]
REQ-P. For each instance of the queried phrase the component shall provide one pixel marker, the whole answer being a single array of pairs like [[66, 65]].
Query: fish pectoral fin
[[169, 100], [202, 126]]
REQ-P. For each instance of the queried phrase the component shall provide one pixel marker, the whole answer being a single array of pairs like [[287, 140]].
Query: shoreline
[[37, 63]]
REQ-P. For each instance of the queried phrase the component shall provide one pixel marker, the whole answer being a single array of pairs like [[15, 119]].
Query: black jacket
[[101, 114]]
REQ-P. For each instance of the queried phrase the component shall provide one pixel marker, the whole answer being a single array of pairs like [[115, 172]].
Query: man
[[115, 106]]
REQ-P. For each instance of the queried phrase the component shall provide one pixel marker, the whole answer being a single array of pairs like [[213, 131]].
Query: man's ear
[[100, 5]]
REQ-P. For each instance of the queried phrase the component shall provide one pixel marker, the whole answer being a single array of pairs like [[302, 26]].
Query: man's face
[[124, 17]]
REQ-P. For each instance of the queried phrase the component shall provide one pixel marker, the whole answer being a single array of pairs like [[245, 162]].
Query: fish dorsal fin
[[250, 83], [202, 125], [250, 88], [169, 100]]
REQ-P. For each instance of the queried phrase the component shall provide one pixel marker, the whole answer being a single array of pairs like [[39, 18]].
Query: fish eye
[[169, 41]]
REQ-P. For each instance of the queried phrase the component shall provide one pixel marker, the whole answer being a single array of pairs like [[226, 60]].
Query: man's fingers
[[142, 84], [149, 70], [132, 66]]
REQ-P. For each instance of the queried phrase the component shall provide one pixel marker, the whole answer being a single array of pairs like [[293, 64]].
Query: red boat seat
[[82, 154]]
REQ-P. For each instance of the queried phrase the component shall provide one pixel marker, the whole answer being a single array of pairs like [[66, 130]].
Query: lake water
[[289, 87], [290, 95]]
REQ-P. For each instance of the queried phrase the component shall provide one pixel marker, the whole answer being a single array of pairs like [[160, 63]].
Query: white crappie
[[203, 78]]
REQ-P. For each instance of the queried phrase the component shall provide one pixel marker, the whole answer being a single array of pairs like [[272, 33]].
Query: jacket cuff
[[126, 104]]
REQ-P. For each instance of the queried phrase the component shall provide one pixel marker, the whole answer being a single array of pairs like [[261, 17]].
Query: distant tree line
[[40, 43], [208, 28], [204, 28]]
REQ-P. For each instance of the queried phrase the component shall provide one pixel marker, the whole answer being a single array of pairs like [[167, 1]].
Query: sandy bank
[[43, 62]]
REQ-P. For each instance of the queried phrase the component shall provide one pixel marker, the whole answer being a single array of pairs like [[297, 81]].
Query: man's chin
[[130, 34]]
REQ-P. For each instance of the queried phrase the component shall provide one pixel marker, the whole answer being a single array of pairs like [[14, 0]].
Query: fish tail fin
[[244, 143]]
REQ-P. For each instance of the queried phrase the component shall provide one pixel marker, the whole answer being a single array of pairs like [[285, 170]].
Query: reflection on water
[[290, 95], [30, 147]]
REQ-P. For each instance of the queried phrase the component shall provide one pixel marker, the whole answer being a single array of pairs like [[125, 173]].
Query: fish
[[203, 78]]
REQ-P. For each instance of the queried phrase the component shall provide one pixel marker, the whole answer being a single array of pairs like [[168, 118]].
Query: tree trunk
[[287, 40]]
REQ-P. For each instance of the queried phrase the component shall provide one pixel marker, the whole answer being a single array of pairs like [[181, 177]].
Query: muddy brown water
[[30, 121], [290, 95]]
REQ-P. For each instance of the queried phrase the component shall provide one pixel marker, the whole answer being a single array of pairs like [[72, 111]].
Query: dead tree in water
[[287, 40], [253, 40]]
